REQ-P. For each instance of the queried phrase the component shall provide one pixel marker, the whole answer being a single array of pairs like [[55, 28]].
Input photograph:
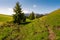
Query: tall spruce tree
[[18, 16], [32, 16]]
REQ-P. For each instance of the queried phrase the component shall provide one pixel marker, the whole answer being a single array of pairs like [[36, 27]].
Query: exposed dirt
[[51, 34]]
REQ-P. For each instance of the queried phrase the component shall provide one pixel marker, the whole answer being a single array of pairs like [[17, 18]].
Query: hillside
[[32, 30], [44, 28], [5, 18], [53, 22]]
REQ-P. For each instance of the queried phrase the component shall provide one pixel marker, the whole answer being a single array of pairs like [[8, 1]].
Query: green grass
[[5, 18], [53, 20], [31, 31], [27, 32], [35, 30]]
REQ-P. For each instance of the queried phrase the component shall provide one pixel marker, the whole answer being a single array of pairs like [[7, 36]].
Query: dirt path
[[51, 34]]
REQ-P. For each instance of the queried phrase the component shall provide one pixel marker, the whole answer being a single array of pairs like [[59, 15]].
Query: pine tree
[[18, 16], [32, 16]]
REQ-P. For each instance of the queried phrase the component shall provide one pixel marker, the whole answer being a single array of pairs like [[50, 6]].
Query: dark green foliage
[[18, 17], [23, 17], [32, 16], [24, 20], [39, 15]]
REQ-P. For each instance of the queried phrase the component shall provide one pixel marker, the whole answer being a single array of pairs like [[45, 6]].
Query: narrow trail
[[51, 34]]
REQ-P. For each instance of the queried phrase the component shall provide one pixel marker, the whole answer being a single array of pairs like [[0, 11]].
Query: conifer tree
[[32, 16], [18, 16]]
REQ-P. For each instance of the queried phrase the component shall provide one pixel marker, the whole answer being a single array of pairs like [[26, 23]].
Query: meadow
[[44, 28]]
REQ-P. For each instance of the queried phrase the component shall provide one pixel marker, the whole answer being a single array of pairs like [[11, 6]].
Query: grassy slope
[[53, 20], [36, 30], [4, 18], [32, 31]]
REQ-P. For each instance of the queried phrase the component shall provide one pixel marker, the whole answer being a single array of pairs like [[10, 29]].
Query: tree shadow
[[24, 23]]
